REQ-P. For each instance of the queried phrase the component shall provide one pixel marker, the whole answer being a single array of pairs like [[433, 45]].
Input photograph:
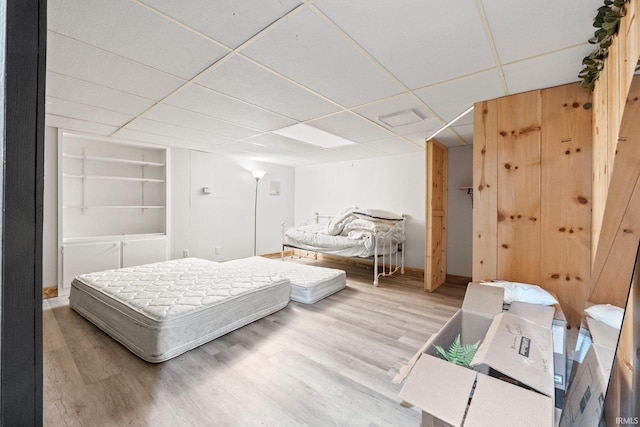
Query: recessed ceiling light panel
[[401, 118], [312, 135]]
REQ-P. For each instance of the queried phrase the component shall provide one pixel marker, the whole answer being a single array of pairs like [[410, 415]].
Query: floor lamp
[[258, 175]]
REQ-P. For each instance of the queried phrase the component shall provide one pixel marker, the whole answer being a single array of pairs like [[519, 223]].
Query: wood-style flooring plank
[[328, 363]]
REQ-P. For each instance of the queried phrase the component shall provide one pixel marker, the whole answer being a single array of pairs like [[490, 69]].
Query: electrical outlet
[[217, 250], [185, 253]]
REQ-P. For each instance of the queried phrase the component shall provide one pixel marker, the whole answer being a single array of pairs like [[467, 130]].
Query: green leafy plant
[[607, 23], [459, 354]]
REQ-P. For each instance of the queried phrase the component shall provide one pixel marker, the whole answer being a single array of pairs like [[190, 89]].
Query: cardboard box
[[498, 404], [519, 349], [559, 334], [443, 390], [552, 317], [472, 321], [448, 393], [585, 397]]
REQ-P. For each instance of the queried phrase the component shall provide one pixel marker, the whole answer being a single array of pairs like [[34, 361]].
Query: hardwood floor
[[329, 363]]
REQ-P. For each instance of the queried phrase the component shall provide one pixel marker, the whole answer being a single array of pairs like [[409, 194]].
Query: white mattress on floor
[[309, 284], [161, 310]]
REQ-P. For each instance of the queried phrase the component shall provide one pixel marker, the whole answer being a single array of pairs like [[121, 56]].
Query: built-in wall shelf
[[113, 160], [112, 200], [119, 178], [112, 207]]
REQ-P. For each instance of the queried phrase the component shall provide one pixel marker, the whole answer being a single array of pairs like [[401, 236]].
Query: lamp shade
[[258, 174]]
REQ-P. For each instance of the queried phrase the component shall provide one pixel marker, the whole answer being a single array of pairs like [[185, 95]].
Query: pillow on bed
[[365, 225], [373, 214], [523, 292], [607, 314]]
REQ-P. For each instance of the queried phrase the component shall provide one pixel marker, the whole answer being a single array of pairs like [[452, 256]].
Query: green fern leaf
[[459, 354]]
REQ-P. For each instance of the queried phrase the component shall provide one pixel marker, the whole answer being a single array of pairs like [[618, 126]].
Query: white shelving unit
[[112, 203]]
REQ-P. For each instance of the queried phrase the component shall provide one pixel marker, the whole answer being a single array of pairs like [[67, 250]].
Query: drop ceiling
[[221, 76]]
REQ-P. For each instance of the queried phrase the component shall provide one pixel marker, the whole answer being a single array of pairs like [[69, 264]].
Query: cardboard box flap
[[520, 349], [540, 314], [496, 403], [439, 388], [585, 397], [605, 357], [483, 299], [603, 334]]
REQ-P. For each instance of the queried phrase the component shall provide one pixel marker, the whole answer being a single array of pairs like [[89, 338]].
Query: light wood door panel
[[436, 216]]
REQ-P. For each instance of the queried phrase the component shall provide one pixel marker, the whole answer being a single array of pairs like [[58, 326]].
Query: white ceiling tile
[[307, 50], [420, 42], [449, 138], [394, 146], [315, 158], [398, 104], [72, 89], [269, 143], [230, 22], [152, 138], [240, 78], [79, 60], [78, 125], [450, 99], [63, 108], [350, 126], [134, 32], [465, 132], [188, 119], [521, 31], [178, 132], [546, 71], [205, 101]]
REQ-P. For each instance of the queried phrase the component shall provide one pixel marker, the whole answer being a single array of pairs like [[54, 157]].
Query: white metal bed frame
[[380, 244]]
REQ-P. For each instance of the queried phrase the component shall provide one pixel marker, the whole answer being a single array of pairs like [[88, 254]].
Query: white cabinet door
[[88, 257], [138, 252]]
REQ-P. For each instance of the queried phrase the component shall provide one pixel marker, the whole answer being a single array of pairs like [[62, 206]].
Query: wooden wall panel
[[485, 190], [532, 192], [629, 40], [622, 395], [518, 205], [565, 264], [614, 93], [609, 96], [600, 161], [624, 177]]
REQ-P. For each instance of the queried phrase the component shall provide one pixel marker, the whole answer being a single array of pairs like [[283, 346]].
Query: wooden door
[[436, 216]]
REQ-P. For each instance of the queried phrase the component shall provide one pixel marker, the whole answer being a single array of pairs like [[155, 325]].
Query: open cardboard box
[[551, 317], [585, 396], [451, 395]]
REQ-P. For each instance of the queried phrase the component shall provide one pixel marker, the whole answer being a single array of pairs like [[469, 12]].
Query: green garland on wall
[[607, 23]]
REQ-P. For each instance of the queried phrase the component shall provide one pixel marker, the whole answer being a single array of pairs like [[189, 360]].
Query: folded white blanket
[[336, 225]]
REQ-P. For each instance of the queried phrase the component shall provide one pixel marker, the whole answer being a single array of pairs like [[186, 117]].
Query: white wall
[[395, 183], [50, 210], [225, 218], [197, 222], [460, 212]]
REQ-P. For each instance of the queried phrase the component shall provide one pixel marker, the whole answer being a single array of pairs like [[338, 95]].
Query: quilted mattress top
[[298, 274], [171, 289]]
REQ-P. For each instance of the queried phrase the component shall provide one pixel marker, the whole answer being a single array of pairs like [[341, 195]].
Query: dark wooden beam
[[22, 187]]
